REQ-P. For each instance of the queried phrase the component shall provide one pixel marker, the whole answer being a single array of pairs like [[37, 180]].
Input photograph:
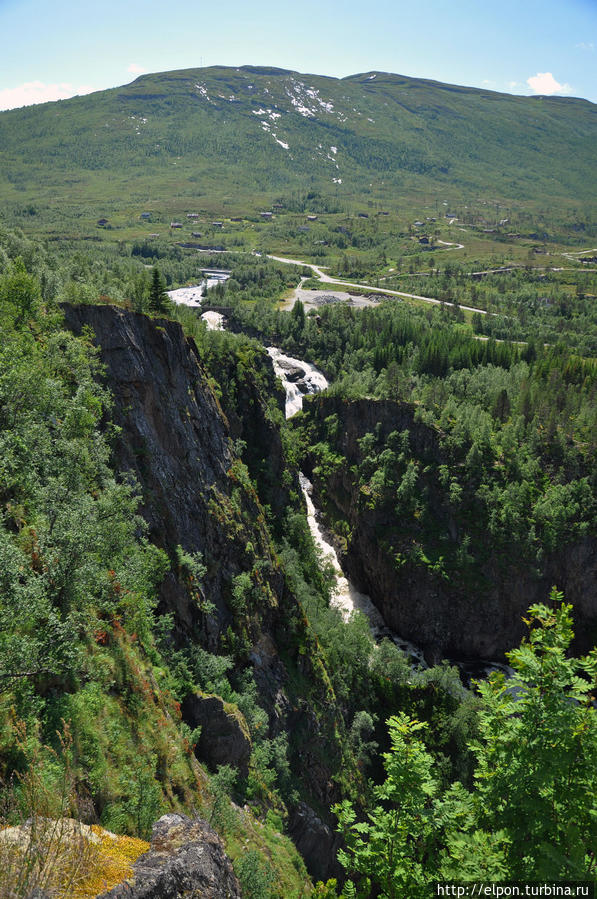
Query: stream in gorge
[[299, 379]]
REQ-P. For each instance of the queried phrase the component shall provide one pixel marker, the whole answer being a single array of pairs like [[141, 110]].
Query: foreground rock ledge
[[186, 859]]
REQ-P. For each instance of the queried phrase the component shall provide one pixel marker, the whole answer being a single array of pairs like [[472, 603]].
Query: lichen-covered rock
[[224, 738], [186, 859], [43, 855]]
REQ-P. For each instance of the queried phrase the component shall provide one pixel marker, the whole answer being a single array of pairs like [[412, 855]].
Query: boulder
[[186, 859], [293, 372]]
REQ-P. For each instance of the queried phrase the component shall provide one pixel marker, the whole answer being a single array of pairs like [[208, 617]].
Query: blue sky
[[55, 49]]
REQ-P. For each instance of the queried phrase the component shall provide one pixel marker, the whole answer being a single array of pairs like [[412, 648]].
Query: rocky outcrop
[[186, 861], [43, 855], [448, 617], [224, 738], [315, 841]]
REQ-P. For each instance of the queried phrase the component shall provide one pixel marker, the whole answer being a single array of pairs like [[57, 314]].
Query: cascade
[[299, 379]]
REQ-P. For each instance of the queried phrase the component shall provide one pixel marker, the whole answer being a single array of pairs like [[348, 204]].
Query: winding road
[[327, 279]]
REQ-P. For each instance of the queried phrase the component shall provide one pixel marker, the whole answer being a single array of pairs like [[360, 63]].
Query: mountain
[[237, 138]]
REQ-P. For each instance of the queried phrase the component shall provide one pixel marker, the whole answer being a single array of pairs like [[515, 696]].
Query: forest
[[473, 466]]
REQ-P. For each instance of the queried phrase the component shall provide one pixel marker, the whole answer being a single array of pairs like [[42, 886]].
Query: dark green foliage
[[158, 298], [59, 498], [79, 581], [256, 877], [532, 811]]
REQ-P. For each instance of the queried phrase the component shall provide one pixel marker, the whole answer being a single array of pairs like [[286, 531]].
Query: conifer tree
[[158, 298]]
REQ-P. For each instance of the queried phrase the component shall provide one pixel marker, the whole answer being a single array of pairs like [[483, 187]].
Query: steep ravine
[[448, 617], [301, 379]]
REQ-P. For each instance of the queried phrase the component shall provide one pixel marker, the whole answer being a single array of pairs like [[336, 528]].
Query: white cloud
[[134, 69], [586, 45], [545, 83], [38, 92]]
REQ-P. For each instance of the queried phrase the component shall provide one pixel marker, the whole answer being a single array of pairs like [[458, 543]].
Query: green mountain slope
[[227, 137]]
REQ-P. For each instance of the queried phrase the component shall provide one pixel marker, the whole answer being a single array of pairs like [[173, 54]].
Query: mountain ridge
[[244, 136]]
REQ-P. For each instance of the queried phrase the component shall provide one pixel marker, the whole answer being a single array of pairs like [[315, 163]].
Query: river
[[299, 379], [195, 295]]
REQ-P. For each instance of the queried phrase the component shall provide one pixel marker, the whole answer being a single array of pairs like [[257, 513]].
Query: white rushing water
[[213, 320], [193, 296], [187, 296], [346, 596], [299, 379]]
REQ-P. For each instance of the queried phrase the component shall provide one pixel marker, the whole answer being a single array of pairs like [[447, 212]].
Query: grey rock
[[224, 736], [175, 439], [293, 372], [186, 861], [316, 842]]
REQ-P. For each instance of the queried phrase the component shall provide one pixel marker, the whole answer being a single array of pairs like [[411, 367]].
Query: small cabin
[[146, 215], [102, 222], [176, 224], [192, 215], [217, 224], [266, 215]]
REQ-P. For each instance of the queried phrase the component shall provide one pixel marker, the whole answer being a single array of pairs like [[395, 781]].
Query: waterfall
[[299, 379]]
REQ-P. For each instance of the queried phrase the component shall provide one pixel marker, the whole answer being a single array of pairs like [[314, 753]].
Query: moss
[[112, 864]]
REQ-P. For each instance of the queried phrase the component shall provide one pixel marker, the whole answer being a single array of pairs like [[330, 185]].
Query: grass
[[402, 144], [64, 858]]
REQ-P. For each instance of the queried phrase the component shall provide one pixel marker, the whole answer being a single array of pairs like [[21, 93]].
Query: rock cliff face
[[250, 394], [224, 738], [177, 441], [446, 618]]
